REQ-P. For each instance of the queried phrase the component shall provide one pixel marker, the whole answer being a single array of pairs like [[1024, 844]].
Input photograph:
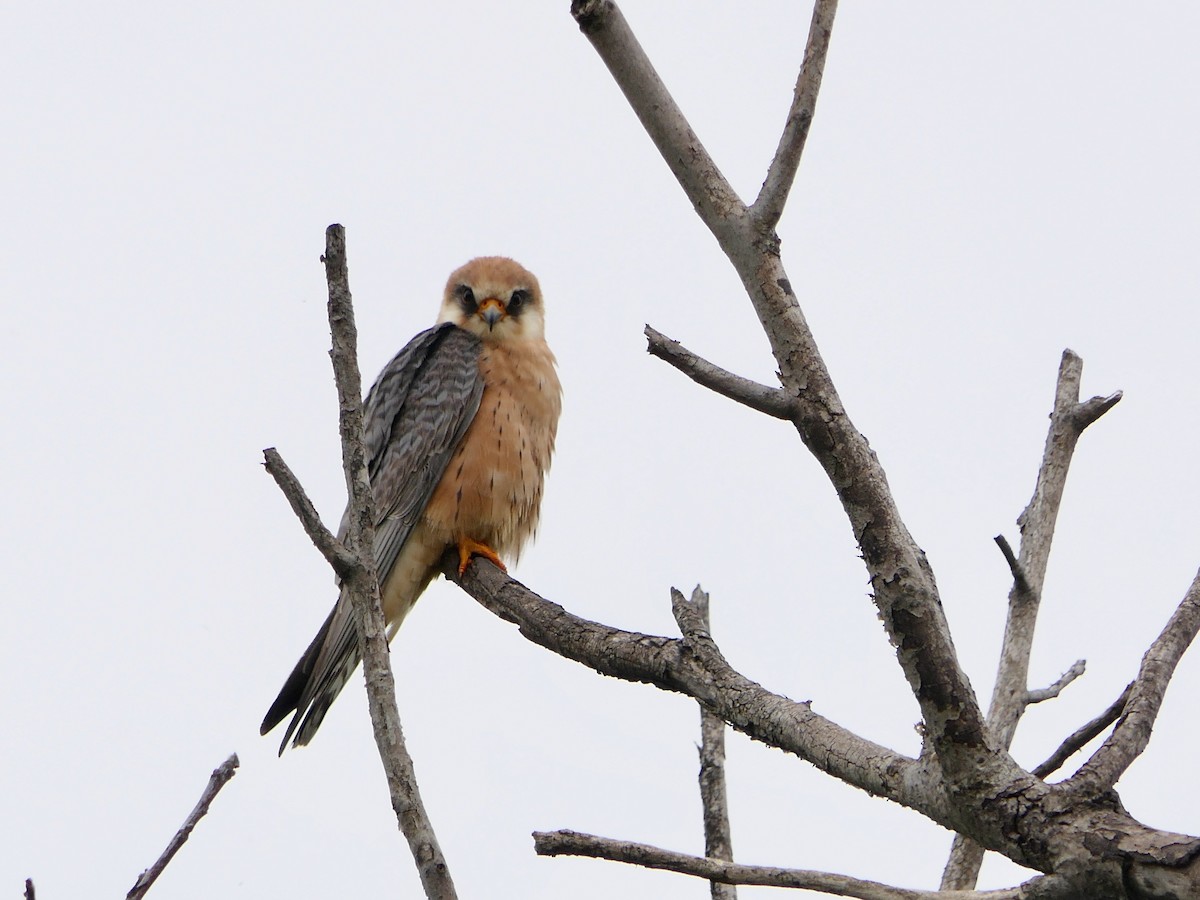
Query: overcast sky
[[985, 184]]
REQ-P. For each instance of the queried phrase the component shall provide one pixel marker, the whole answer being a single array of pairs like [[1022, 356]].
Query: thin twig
[[1132, 733], [760, 397], [29, 892], [219, 778], [331, 548], [363, 584], [718, 837], [1014, 564], [1076, 741], [1040, 695], [1088, 412], [571, 843], [781, 174]]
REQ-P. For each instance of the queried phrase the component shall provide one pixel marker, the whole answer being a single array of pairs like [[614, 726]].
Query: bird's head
[[496, 299]]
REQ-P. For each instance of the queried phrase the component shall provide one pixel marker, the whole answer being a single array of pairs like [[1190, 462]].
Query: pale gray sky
[[984, 185]]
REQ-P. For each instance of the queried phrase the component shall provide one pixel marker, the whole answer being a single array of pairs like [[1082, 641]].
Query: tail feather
[[317, 679]]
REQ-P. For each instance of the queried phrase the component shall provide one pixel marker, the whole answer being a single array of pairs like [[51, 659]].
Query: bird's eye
[[466, 299], [518, 300]]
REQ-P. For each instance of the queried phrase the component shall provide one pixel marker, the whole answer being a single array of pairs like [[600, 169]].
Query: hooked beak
[[491, 311]]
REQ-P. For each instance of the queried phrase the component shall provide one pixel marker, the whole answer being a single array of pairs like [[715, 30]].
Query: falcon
[[459, 430]]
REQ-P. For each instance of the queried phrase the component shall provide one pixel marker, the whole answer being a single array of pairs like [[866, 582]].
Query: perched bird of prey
[[459, 429]]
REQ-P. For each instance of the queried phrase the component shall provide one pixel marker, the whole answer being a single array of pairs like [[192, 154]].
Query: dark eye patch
[[517, 301], [466, 298]]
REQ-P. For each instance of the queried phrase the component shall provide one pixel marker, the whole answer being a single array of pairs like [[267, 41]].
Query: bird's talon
[[468, 548]]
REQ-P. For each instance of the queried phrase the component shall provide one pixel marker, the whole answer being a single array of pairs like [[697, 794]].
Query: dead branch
[[781, 174], [1010, 694], [903, 585], [1077, 739], [1014, 564], [1040, 695], [694, 666], [1068, 420], [718, 836], [669, 664], [603, 24], [339, 558], [572, 843], [769, 400], [1132, 733], [990, 798], [364, 583], [354, 561], [219, 778]]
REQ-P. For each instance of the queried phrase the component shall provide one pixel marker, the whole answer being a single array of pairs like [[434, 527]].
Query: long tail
[[323, 670]]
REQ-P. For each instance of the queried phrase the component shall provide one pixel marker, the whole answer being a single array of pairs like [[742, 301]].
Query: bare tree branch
[[1010, 694], [903, 584], [1039, 695], [1132, 733], [770, 400], [603, 24], [572, 843], [717, 835], [718, 839], [363, 583], [29, 892], [672, 665], [768, 207], [1076, 740], [962, 865], [219, 778], [1067, 421], [331, 548], [963, 770]]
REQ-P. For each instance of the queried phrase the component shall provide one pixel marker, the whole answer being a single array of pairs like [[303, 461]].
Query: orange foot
[[468, 548]]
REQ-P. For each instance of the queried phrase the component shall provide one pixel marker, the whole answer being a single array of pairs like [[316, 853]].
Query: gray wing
[[414, 418]]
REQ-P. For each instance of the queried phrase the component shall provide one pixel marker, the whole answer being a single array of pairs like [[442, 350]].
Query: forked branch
[[1011, 694], [353, 558], [364, 583], [993, 799], [903, 585]]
